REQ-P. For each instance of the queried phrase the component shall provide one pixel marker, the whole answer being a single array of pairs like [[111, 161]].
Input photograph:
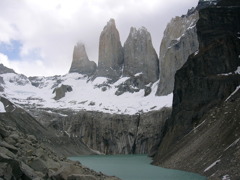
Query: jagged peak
[[134, 32], [110, 24], [79, 52], [80, 44]]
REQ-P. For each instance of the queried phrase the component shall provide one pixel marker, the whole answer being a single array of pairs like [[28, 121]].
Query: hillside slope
[[30, 151], [203, 127]]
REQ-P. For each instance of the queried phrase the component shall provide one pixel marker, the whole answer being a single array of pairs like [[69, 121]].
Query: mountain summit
[[110, 52], [140, 56], [80, 61]]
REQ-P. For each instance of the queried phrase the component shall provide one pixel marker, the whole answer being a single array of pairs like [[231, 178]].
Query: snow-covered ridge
[[86, 94]]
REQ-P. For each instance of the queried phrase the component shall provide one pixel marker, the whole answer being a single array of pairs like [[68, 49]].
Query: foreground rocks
[[22, 156], [28, 150], [203, 127]]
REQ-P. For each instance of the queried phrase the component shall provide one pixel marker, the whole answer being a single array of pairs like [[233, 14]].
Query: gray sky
[[37, 36]]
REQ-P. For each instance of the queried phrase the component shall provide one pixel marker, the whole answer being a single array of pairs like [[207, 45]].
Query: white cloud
[[53, 27], [29, 67], [4, 60]]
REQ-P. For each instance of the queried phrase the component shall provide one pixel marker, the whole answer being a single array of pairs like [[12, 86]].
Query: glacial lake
[[133, 167]]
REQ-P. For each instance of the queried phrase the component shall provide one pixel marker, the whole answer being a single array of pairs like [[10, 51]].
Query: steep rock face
[[140, 56], [110, 52], [80, 61], [214, 141], [205, 80], [112, 133], [179, 41]]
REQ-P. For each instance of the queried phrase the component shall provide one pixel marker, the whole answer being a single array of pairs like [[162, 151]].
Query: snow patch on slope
[[213, 164], [234, 92], [86, 94], [2, 108]]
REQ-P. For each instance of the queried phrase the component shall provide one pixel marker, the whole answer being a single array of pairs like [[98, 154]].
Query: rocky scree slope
[[205, 81], [15, 116], [26, 156]]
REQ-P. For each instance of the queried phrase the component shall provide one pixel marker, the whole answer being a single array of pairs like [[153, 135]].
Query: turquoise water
[[133, 167]]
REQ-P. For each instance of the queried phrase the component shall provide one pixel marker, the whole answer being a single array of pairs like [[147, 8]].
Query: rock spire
[[110, 52], [140, 56], [80, 62]]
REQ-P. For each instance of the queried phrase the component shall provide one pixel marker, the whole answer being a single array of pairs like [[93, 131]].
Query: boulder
[[61, 91]]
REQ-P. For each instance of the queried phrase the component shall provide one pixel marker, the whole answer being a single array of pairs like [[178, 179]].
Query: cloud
[[52, 28]]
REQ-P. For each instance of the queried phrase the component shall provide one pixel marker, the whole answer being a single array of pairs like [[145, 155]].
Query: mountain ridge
[[202, 89]]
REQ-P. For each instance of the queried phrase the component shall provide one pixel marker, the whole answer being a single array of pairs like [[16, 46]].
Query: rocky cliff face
[[80, 61], [179, 41], [110, 59], [140, 56], [204, 82], [111, 133]]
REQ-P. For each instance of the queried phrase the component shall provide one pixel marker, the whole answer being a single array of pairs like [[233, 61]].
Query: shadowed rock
[[61, 91], [204, 125]]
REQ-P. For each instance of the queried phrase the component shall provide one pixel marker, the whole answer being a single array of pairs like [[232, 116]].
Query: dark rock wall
[[115, 134], [202, 83]]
